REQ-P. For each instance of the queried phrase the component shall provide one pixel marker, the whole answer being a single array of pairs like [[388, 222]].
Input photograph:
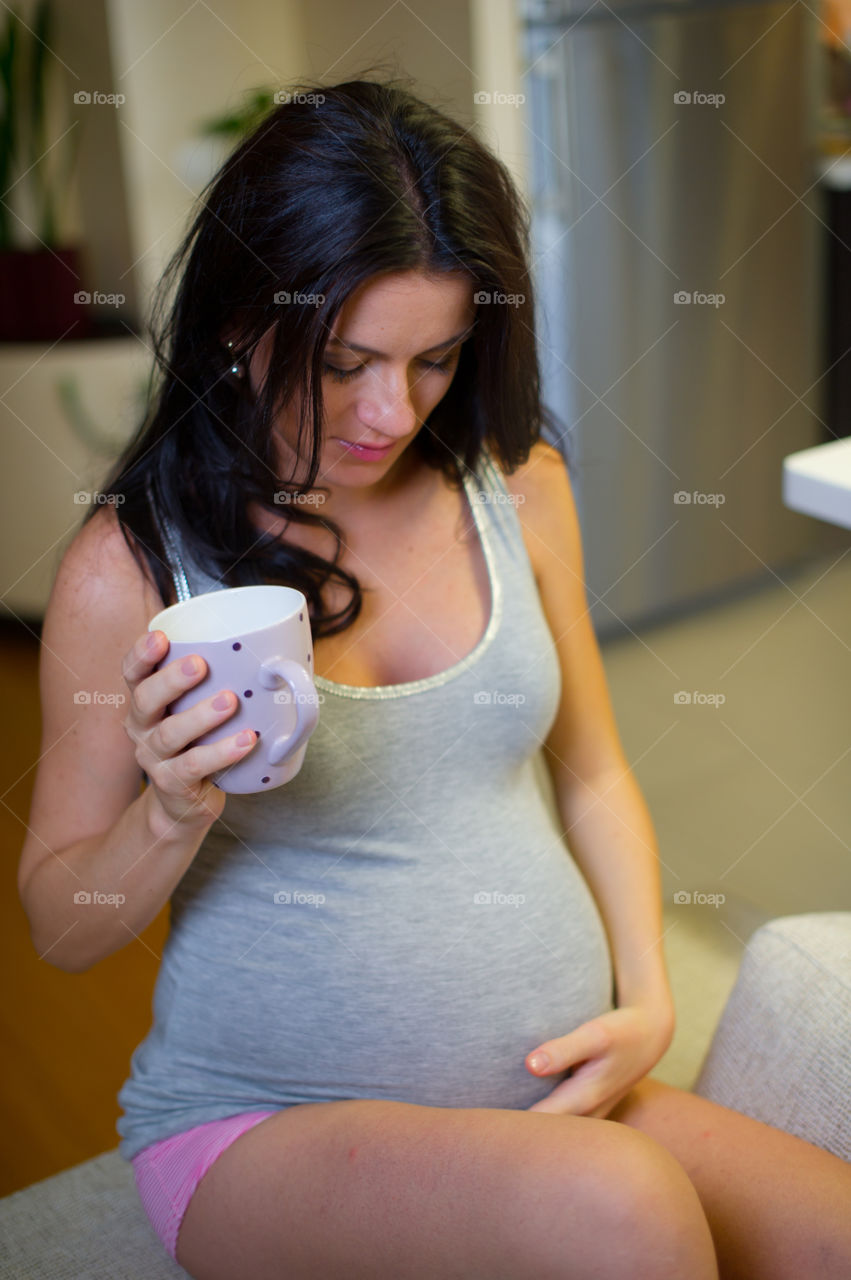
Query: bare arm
[[606, 819], [100, 860]]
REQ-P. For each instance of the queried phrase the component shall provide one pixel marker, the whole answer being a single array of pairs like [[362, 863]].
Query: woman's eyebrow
[[438, 346]]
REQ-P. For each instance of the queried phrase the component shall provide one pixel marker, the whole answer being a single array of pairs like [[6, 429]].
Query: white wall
[[180, 65]]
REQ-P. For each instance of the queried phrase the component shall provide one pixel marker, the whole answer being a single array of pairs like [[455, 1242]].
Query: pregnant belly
[[424, 989]]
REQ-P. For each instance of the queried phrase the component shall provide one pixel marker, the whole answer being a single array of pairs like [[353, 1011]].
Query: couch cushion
[[781, 1049], [84, 1224]]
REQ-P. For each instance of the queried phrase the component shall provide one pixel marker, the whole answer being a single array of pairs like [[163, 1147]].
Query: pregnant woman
[[409, 1000]]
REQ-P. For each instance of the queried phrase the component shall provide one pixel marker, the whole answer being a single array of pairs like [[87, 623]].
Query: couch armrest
[[782, 1049]]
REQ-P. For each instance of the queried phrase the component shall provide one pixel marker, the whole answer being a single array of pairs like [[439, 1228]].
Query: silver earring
[[236, 369]]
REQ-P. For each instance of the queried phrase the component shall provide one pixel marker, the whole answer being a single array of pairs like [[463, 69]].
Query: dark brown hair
[[336, 186]]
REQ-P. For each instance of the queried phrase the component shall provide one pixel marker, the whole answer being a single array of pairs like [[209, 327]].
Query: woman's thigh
[[779, 1207], [365, 1189]]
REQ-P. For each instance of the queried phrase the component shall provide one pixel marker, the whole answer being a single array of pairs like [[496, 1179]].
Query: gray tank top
[[402, 920]]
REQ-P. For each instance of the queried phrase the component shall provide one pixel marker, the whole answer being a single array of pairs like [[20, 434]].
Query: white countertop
[[817, 482]]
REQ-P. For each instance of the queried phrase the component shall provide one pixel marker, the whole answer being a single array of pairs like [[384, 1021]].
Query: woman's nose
[[389, 406]]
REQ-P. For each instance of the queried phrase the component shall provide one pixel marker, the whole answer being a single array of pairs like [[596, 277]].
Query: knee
[[643, 1203], [615, 1202]]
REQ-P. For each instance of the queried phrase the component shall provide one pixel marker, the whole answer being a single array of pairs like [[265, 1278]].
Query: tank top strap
[[498, 505], [171, 548]]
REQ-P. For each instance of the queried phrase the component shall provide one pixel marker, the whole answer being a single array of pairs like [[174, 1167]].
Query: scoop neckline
[[408, 687]]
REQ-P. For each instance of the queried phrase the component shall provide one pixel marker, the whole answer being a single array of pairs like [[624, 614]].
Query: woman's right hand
[[179, 778]]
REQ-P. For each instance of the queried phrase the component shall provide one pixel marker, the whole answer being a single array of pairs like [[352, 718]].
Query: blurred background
[[687, 167]]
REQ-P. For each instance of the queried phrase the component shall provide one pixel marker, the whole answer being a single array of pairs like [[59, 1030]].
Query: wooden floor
[[67, 1038]]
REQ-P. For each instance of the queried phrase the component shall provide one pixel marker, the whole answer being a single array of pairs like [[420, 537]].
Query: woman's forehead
[[403, 308]]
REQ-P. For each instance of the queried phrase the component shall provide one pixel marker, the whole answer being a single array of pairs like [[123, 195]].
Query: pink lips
[[365, 451]]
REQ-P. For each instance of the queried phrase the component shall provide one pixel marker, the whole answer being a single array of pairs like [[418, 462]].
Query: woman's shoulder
[[542, 496], [99, 571]]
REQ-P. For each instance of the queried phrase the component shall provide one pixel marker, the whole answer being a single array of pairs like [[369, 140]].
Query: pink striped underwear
[[168, 1172]]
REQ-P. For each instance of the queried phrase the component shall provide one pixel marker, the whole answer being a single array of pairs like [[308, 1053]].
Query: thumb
[[565, 1051]]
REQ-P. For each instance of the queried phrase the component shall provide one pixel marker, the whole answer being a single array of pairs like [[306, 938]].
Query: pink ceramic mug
[[257, 642]]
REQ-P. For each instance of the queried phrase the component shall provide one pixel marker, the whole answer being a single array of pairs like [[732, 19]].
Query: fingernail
[[539, 1061], [221, 702], [152, 642], [243, 739], [189, 666]]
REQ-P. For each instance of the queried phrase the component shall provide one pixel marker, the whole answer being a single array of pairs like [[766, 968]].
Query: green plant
[[236, 124], [25, 56], [8, 58]]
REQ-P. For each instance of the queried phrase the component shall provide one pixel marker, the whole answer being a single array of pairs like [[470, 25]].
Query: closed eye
[[343, 375]]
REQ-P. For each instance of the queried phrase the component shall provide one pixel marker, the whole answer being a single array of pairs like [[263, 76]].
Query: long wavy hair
[[337, 185]]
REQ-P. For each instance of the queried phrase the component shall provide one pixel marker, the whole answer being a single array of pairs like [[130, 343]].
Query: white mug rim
[[264, 605]]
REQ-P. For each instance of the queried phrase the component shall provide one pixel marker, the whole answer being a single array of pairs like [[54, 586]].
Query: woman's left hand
[[613, 1052]]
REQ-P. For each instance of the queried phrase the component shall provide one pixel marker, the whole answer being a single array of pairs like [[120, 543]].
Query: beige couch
[[781, 1053]]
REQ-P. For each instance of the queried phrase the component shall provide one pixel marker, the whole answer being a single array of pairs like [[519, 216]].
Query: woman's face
[[390, 359]]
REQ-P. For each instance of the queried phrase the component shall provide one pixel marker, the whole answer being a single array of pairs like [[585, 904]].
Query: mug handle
[[272, 671]]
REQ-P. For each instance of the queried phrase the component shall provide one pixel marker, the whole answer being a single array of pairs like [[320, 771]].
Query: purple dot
[[309, 657], [248, 693], [237, 645], [267, 779], [301, 617], [257, 731]]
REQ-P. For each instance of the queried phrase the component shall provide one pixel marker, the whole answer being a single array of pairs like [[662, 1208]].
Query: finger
[[140, 661], [562, 1101], [176, 775], [590, 1040], [174, 732], [153, 694], [585, 1089]]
